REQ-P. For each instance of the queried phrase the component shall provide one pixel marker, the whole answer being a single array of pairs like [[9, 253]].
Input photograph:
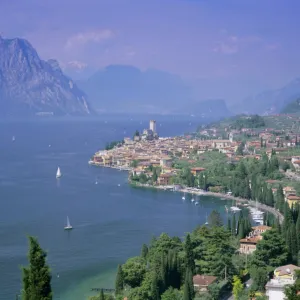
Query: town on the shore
[[242, 159]]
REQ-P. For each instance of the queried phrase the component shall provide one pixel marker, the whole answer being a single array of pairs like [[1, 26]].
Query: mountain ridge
[[128, 89], [29, 85]]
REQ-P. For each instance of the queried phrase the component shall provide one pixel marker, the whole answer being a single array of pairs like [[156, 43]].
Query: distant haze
[[166, 53]]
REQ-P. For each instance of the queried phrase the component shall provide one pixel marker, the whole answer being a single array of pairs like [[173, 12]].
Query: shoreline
[[252, 203], [198, 192]]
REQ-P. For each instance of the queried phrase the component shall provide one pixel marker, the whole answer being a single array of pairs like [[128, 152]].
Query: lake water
[[110, 222]]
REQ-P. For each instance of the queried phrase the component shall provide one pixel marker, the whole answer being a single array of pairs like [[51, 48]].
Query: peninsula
[[243, 157]]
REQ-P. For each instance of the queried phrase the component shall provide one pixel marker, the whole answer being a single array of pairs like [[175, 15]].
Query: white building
[[283, 276], [153, 126], [275, 288]]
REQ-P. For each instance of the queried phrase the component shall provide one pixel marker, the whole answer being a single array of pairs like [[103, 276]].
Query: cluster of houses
[[283, 276], [158, 153]]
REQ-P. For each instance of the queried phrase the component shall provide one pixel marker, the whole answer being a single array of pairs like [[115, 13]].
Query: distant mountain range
[[120, 88], [272, 101], [29, 85]]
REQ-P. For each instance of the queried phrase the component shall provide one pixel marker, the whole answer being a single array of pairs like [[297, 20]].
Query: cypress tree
[[189, 254], [298, 231], [277, 225], [154, 288], [119, 284], [144, 251], [154, 175], [36, 277], [294, 243], [164, 273], [247, 191], [280, 199], [289, 242], [241, 229], [102, 297], [229, 224], [269, 198], [288, 218], [233, 225], [188, 292]]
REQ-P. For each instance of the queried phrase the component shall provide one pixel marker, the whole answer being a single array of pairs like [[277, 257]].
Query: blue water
[[110, 222]]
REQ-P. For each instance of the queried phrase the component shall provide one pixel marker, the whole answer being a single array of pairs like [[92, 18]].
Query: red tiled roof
[[197, 169], [251, 240], [203, 280], [286, 270]]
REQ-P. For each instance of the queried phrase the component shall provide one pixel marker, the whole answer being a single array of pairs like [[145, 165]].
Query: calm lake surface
[[110, 222]]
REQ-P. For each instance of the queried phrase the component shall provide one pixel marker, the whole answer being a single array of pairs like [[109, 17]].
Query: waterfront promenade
[[199, 192]]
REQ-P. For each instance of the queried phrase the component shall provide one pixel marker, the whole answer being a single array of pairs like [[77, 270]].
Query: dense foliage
[[113, 144], [254, 121], [36, 277], [165, 268]]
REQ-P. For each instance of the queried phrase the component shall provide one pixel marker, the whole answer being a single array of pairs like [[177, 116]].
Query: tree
[[189, 255], [233, 225], [214, 291], [237, 287], [154, 175], [269, 198], [291, 291], [271, 251], [229, 224], [292, 242], [240, 149], [134, 271], [102, 295], [298, 231], [144, 251], [155, 288], [215, 219], [280, 199], [134, 163], [188, 291], [259, 277], [171, 294], [119, 285], [36, 277]]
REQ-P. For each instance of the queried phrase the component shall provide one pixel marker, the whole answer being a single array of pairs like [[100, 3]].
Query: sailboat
[[183, 197], [13, 138], [58, 173], [69, 226], [206, 223]]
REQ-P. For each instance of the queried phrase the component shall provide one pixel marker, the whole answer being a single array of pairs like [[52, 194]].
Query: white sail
[[58, 173], [68, 226]]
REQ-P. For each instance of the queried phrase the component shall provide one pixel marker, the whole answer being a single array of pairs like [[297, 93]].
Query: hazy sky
[[241, 44]]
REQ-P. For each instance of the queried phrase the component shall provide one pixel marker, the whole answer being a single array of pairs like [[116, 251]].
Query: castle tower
[[153, 125]]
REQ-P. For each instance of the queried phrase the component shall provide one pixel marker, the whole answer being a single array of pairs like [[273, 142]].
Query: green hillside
[[292, 108]]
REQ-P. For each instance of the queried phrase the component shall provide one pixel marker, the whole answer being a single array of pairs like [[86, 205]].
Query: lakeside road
[[264, 207]]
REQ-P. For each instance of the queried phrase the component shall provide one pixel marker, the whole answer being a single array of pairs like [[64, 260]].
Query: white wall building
[[275, 288], [283, 276]]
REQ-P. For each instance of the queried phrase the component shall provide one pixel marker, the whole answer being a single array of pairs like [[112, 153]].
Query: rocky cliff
[[29, 85]]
